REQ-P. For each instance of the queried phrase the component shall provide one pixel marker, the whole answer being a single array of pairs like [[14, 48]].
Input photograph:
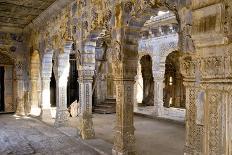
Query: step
[[110, 100], [104, 111], [104, 106]]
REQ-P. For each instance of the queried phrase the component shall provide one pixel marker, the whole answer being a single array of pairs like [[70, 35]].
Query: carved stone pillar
[[124, 139], [124, 70], [86, 72], [85, 89], [62, 114], [46, 78], [46, 105], [34, 79], [20, 96], [20, 110], [35, 110], [158, 93]]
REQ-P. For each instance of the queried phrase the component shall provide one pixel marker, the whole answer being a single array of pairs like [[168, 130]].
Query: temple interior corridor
[[120, 77]]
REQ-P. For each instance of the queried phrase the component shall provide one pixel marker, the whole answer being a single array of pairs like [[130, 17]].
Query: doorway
[[2, 103]]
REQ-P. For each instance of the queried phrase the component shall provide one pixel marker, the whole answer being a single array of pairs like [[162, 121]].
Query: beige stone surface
[[25, 135]]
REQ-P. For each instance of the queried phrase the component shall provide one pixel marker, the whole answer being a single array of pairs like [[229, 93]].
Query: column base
[[46, 114], [124, 141], [114, 152], [158, 110], [141, 105], [86, 126], [62, 118], [35, 111], [20, 108]]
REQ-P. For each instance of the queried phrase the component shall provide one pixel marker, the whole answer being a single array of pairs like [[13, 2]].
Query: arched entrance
[[174, 91]]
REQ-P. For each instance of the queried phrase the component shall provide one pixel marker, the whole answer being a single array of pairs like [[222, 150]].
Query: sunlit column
[[158, 92], [35, 110], [62, 115], [138, 87], [46, 78], [86, 72]]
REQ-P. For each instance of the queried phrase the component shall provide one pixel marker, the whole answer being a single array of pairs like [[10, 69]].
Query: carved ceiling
[[19, 13]]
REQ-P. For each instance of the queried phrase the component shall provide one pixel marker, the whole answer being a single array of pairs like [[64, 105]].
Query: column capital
[[68, 46]]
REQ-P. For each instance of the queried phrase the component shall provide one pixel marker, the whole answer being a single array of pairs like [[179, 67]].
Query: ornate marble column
[[62, 115], [86, 72], [46, 78]]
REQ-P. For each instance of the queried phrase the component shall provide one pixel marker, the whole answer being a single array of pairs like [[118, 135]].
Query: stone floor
[[153, 137], [23, 136]]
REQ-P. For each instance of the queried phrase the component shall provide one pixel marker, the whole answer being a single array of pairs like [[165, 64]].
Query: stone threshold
[[166, 119]]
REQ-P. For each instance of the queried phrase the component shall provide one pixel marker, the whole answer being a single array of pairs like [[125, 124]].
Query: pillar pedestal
[[20, 98], [124, 139], [46, 105], [62, 114], [86, 126], [158, 95], [85, 119], [62, 118], [35, 109]]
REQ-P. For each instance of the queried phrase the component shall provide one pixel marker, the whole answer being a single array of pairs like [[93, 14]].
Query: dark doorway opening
[[73, 86], [2, 103], [148, 81], [53, 90]]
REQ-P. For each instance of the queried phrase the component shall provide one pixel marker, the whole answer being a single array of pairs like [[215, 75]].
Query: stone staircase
[[106, 107]]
